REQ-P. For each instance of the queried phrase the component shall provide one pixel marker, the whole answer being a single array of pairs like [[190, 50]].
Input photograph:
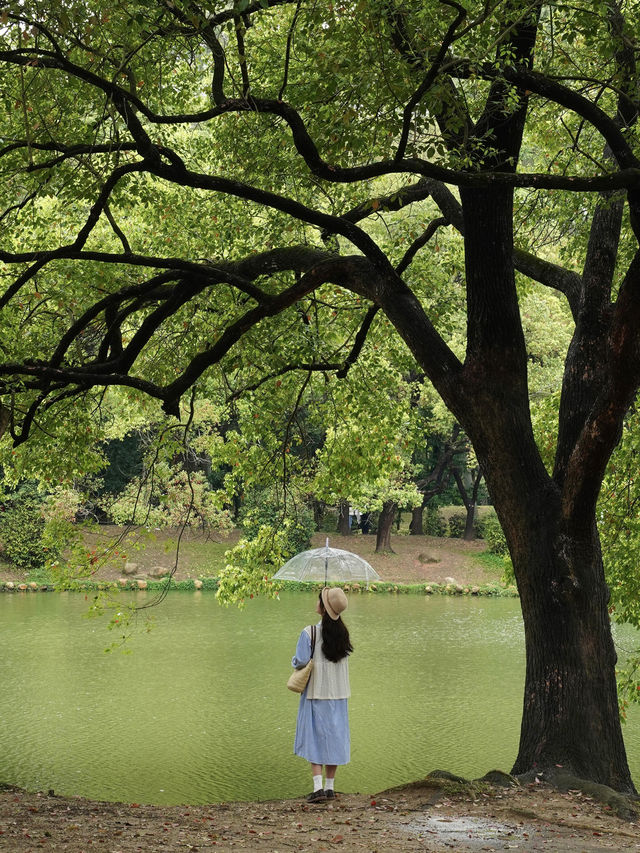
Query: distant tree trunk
[[385, 523], [416, 526], [343, 518], [469, 500], [318, 512]]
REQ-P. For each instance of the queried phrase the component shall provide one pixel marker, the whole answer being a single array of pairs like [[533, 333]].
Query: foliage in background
[[22, 525], [169, 496]]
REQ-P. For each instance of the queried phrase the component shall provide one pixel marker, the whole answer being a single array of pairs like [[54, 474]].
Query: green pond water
[[199, 711]]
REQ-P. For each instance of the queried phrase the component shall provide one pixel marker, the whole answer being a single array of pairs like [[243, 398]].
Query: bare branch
[[359, 342], [430, 77], [419, 243], [287, 54]]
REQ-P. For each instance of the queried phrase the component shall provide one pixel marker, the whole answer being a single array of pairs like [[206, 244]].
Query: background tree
[[434, 462], [186, 187]]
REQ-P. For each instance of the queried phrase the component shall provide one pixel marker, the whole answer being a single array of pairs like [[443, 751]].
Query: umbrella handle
[[326, 561]]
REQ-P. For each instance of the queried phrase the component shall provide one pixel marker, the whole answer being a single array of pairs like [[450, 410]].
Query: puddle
[[473, 832]]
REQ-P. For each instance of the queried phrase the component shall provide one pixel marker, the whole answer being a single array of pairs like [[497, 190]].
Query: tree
[[469, 500], [280, 131], [435, 478]]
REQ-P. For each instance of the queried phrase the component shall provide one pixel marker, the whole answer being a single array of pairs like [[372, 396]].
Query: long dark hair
[[335, 637]]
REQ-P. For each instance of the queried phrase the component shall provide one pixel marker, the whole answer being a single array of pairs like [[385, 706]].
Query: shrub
[[21, 528], [494, 536], [433, 523], [168, 497], [457, 524], [478, 526]]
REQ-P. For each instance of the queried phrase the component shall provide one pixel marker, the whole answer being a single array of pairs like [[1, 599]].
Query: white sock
[[328, 785], [317, 783]]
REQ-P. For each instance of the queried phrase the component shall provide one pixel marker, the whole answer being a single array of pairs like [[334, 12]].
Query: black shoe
[[317, 797], [330, 794]]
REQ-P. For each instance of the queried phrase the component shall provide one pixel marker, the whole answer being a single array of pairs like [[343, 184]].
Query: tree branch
[[430, 76], [419, 243], [359, 342], [581, 476], [551, 275], [323, 367]]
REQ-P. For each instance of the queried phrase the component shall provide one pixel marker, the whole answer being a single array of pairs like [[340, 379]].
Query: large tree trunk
[[385, 523], [570, 674], [570, 711]]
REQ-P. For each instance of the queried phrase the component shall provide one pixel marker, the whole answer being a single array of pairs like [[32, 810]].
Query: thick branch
[[582, 476], [551, 275], [351, 272], [502, 121]]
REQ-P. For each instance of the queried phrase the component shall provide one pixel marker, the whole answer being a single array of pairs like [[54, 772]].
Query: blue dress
[[322, 727]]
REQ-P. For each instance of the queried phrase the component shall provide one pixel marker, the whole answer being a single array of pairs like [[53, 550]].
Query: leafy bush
[[494, 536], [457, 524], [433, 523], [36, 527], [169, 497], [478, 526], [22, 526]]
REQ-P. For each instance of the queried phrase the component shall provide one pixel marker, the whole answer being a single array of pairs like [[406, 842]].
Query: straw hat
[[334, 601]]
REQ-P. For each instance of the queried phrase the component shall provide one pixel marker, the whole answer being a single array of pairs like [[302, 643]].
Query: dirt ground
[[417, 559], [534, 818]]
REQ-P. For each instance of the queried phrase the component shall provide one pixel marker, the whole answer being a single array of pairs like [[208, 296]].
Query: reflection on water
[[199, 711]]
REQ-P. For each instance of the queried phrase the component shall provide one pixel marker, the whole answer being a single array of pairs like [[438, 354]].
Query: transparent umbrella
[[327, 564]]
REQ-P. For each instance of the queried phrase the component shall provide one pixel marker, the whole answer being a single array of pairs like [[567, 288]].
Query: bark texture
[[385, 523]]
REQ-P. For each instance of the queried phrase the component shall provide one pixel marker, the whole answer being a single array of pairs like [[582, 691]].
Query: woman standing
[[322, 728]]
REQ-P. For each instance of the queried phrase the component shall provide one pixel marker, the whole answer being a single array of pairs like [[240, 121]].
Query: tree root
[[625, 806]]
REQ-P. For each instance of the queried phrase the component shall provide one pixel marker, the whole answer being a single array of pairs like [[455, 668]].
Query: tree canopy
[[269, 190]]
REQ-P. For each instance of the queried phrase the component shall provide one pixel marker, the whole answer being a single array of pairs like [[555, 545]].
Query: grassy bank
[[143, 560]]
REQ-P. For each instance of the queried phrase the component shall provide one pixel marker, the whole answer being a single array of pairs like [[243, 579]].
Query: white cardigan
[[328, 680]]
